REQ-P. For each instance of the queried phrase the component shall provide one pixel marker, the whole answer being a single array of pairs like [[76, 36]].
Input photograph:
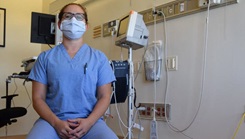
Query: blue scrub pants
[[43, 130]]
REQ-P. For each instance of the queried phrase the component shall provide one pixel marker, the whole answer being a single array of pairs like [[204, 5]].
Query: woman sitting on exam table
[[71, 85]]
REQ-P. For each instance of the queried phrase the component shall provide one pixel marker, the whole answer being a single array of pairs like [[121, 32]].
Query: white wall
[[223, 96], [18, 47]]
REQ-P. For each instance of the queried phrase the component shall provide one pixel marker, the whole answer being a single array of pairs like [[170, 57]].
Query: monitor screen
[[123, 26], [42, 28]]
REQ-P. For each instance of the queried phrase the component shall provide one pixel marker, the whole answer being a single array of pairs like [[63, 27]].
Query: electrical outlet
[[148, 112]]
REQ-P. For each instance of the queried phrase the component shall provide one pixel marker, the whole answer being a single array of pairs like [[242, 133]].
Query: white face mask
[[72, 28]]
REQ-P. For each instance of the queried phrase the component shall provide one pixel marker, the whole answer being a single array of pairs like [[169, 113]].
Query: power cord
[[173, 128], [238, 126], [16, 88], [202, 84], [46, 40], [203, 75], [27, 95]]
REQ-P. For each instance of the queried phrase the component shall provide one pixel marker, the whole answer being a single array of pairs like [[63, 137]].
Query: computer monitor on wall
[[42, 28], [132, 31]]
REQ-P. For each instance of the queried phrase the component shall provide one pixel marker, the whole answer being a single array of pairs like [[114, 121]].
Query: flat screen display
[[42, 28], [123, 26]]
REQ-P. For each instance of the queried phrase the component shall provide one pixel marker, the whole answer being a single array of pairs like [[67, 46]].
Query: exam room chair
[[9, 114]]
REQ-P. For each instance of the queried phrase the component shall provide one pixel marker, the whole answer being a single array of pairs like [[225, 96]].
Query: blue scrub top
[[72, 82]]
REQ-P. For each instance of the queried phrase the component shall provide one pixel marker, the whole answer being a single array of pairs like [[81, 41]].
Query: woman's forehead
[[73, 9]]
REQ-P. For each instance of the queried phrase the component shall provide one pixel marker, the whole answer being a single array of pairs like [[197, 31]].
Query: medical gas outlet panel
[[110, 28], [180, 8], [171, 10]]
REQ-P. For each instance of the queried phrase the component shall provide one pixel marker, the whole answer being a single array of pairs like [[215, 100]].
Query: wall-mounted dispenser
[[153, 61]]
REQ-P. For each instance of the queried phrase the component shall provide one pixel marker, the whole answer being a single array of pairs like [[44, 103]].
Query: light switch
[[172, 63]]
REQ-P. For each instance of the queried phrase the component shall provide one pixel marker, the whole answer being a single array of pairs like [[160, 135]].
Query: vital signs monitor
[[132, 31]]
